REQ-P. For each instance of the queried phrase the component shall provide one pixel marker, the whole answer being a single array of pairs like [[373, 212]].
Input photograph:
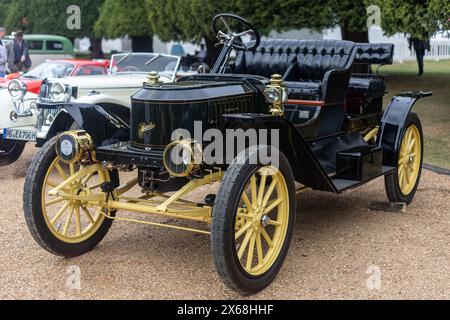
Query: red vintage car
[[57, 69]]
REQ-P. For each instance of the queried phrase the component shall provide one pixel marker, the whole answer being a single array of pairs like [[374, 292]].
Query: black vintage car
[[325, 130]]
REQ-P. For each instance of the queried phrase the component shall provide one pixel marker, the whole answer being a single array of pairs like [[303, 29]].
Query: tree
[[417, 18], [190, 20], [51, 16], [15, 14], [126, 17], [182, 20]]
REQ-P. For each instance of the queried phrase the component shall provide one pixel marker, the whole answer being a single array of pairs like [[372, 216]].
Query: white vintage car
[[25, 117]]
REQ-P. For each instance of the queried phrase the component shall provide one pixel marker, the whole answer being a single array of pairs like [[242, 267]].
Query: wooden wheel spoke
[[262, 187], [273, 205], [401, 169], [60, 171], [88, 215], [251, 251], [253, 191], [242, 230], [246, 201], [407, 176], [68, 222], [269, 192], [411, 145], [259, 249], [267, 238], [78, 220], [60, 213], [244, 243]]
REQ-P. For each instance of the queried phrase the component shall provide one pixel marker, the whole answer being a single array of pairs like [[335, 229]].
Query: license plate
[[19, 134]]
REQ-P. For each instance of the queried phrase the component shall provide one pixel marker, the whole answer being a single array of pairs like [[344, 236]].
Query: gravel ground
[[341, 243]]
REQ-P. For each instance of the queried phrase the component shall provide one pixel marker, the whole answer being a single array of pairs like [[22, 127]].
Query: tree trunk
[[356, 36], [96, 48], [142, 44], [212, 51]]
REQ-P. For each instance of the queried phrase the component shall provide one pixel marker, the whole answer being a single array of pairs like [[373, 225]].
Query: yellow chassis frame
[[170, 206]]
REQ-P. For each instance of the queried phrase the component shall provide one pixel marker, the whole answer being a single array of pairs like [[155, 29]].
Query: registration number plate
[[19, 134]]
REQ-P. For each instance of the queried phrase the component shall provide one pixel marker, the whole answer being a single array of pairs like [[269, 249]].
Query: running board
[[341, 185]]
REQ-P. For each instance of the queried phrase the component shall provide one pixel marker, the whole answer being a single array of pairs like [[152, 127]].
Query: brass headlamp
[[74, 146], [276, 94]]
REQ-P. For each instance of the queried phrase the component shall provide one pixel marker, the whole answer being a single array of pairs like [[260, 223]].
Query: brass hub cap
[[71, 221], [262, 221], [409, 160]]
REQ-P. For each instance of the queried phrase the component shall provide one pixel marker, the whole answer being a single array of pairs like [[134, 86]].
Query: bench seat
[[312, 69]]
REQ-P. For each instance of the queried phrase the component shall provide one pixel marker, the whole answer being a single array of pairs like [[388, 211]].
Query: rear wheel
[[63, 227], [10, 151], [253, 220], [401, 185]]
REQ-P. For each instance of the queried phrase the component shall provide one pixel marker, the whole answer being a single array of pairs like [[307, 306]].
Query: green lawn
[[433, 111]]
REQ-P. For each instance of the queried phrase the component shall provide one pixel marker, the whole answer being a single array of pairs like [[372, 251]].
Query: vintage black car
[[328, 132]]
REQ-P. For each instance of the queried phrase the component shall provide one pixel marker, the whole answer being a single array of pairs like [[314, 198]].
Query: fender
[[306, 168], [113, 105], [392, 124], [104, 127]]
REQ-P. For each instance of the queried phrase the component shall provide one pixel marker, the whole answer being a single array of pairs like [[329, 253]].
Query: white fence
[[440, 50]]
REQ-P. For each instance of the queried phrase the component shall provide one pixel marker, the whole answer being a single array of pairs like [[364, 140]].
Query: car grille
[[241, 104]]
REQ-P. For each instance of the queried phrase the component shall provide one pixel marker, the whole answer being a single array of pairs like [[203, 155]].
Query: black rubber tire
[[32, 208], [10, 151], [222, 230], [391, 181]]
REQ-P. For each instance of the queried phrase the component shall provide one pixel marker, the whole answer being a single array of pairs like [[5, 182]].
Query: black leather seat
[[371, 53], [304, 90], [370, 86], [312, 69], [365, 92]]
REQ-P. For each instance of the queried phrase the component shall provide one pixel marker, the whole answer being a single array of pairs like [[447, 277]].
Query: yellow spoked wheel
[[71, 221], [409, 161], [59, 224], [401, 186], [261, 221], [252, 223]]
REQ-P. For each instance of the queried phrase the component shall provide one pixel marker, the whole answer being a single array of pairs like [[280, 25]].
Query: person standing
[[3, 54], [202, 55], [420, 46], [19, 60]]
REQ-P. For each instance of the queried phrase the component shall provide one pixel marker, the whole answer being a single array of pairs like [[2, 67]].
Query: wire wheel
[[72, 221]]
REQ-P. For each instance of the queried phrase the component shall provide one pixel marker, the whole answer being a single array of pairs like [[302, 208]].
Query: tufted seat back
[[313, 58], [374, 53]]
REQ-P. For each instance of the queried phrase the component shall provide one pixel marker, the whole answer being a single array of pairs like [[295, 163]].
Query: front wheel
[[60, 225], [401, 185], [253, 220], [10, 151]]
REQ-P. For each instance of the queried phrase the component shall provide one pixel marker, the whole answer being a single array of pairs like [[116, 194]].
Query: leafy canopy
[[123, 17]]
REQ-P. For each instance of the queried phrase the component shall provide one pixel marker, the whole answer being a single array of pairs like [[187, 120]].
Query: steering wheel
[[234, 38], [130, 69]]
